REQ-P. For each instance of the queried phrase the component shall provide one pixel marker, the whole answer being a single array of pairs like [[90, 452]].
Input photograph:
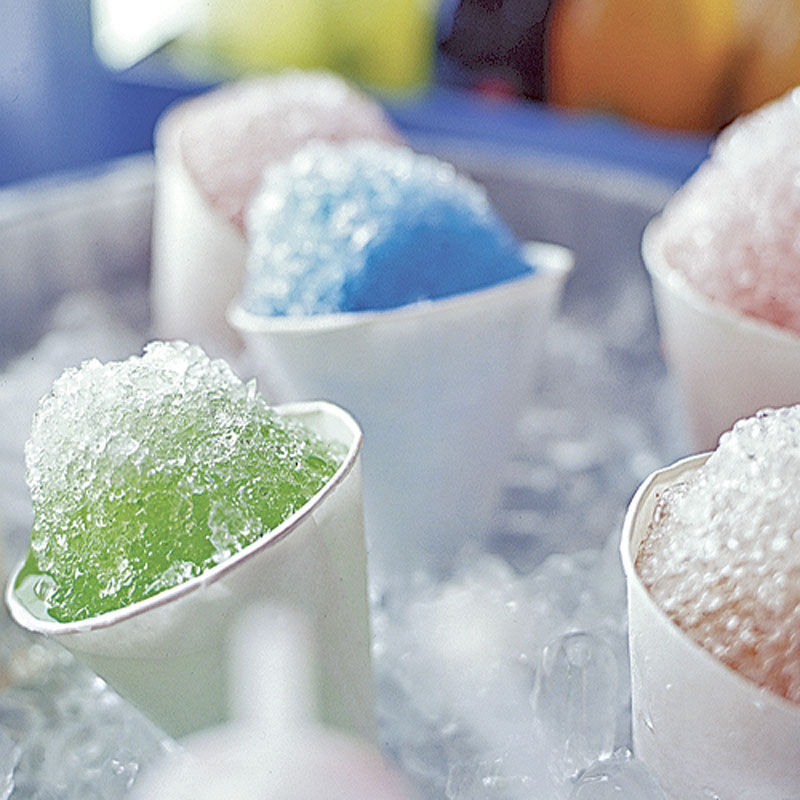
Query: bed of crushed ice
[[507, 680]]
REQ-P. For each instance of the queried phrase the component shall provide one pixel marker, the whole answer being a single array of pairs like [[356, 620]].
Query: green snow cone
[[145, 473]]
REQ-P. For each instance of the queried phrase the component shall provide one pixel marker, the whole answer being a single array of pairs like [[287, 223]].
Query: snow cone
[[712, 556], [167, 497], [210, 152], [724, 257], [384, 280]]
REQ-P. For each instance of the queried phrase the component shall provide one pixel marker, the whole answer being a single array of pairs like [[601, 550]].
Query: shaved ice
[[733, 230], [368, 225], [145, 473], [722, 554], [228, 136]]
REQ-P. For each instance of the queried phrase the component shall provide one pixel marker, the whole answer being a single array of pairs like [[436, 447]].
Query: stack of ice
[[367, 225], [732, 229], [146, 472], [722, 555], [64, 735], [511, 686]]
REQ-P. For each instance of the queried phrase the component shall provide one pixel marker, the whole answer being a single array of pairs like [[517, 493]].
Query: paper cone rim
[[662, 478], [552, 262], [24, 617], [659, 268]]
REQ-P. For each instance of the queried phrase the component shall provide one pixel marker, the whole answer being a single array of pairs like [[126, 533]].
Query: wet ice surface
[[365, 225], [507, 681], [732, 229], [64, 735], [722, 556]]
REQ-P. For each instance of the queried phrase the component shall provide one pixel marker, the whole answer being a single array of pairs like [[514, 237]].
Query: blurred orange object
[[664, 62], [683, 64], [773, 54]]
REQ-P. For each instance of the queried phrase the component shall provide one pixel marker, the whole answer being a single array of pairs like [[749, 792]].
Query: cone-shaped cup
[[704, 729], [436, 386], [727, 365], [198, 254], [167, 654]]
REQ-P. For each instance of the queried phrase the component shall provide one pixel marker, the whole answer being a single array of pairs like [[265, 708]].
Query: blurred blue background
[[62, 109]]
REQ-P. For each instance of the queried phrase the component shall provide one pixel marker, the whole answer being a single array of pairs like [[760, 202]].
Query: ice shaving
[[227, 137], [366, 225], [732, 229], [210, 153], [146, 472], [722, 553]]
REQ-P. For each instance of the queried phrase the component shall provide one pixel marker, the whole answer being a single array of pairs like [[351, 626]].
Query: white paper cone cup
[[704, 729], [198, 254], [726, 365], [167, 654], [437, 388]]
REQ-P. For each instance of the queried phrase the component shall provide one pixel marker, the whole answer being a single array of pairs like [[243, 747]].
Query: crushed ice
[[724, 555], [502, 684], [366, 225], [732, 228], [507, 681]]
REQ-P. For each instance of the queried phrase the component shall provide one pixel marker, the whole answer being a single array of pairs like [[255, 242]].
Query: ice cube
[[722, 555], [732, 229], [619, 777], [146, 472], [574, 700], [367, 225]]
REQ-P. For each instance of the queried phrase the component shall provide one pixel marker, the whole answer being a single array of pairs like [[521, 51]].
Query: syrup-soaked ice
[[229, 135], [146, 472], [722, 556], [732, 230], [367, 225]]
